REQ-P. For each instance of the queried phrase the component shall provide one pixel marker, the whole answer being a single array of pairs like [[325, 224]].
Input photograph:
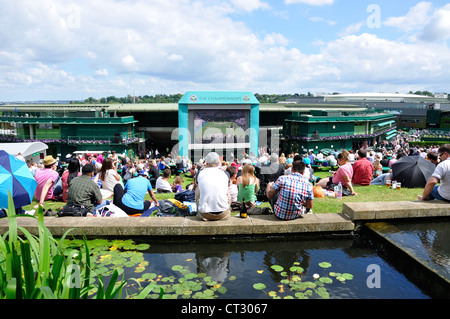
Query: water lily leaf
[[222, 289], [142, 247], [325, 264], [272, 293], [347, 276], [190, 275], [149, 276], [324, 294], [296, 269], [326, 280], [277, 268], [177, 268], [259, 286], [232, 278]]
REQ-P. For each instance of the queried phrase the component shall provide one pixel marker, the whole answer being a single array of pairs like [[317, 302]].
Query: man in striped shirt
[[291, 193]]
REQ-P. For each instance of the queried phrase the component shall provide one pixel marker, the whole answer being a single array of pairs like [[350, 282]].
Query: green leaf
[[325, 264], [259, 286], [347, 276], [277, 268]]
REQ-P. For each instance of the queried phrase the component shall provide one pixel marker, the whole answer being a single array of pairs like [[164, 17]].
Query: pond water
[[294, 267]]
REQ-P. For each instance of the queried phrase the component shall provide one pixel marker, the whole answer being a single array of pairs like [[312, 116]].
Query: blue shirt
[[136, 188]]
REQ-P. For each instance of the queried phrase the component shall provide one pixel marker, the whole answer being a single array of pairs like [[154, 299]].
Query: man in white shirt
[[441, 175], [211, 191]]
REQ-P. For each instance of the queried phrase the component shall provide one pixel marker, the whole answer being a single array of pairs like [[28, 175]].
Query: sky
[[72, 50]]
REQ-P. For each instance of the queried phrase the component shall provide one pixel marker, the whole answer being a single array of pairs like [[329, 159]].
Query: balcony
[[124, 139]]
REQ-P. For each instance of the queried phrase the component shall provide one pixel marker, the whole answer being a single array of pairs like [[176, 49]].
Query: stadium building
[[225, 121]]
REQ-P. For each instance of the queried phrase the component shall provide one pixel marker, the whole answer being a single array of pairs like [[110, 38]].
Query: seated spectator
[[73, 170], [232, 189], [344, 174], [177, 185], [362, 169], [83, 190], [131, 198], [378, 168], [211, 191], [153, 172], [433, 157], [308, 173], [108, 175], [291, 194], [162, 164], [247, 184], [162, 183], [438, 185], [49, 184]]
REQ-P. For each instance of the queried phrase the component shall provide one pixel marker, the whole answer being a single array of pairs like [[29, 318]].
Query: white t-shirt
[[110, 180], [163, 185], [442, 173], [213, 186]]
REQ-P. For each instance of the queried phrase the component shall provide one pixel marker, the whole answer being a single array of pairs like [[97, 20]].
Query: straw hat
[[49, 160]]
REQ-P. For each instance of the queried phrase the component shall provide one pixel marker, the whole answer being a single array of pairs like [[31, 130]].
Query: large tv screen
[[220, 126]]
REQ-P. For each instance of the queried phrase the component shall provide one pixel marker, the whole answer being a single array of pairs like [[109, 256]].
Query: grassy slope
[[321, 205]]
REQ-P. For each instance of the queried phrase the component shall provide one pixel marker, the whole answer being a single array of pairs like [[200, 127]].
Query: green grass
[[373, 193]]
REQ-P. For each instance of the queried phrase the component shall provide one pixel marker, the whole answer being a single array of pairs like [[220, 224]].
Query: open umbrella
[[16, 178], [412, 171]]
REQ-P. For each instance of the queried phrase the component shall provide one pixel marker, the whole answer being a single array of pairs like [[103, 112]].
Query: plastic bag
[[318, 191]]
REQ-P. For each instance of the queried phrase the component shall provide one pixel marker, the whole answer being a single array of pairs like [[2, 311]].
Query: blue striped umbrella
[[16, 178]]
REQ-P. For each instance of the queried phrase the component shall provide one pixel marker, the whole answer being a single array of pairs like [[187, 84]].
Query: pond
[[332, 267]]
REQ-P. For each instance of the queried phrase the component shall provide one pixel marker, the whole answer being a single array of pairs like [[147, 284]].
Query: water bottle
[[339, 191]]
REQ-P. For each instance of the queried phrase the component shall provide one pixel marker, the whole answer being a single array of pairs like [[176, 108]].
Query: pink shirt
[[344, 170], [41, 177]]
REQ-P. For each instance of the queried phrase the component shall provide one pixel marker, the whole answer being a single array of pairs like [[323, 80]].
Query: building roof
[[166, 107], [383, 97], [26, 149]]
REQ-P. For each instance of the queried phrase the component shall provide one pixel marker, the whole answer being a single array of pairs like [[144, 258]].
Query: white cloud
[[102, 72], [374, 61], [416, 18], [311, 2], [438, 26], [351, 29], [250, 5], [275, 39], [125, 45]]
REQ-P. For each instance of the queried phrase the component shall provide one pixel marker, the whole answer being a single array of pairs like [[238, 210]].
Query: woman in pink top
[[344, 174]]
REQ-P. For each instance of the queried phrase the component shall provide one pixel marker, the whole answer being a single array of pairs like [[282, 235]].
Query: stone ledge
[[395, 210], [186, 226]]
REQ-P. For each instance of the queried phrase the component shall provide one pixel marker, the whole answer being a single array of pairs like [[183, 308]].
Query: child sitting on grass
[[177, 184]]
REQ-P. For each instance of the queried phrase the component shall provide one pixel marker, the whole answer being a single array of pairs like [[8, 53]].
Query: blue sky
[[77, 49]]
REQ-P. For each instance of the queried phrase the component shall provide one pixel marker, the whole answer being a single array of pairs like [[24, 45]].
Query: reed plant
[[38, 267]]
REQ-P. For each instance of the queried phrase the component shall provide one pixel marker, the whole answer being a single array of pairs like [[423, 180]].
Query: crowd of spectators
[[286, 182]]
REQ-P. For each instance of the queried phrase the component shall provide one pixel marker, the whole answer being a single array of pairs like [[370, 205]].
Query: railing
[[77, 140]]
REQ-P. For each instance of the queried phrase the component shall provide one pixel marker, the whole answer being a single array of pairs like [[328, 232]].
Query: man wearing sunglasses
[[441, 175]]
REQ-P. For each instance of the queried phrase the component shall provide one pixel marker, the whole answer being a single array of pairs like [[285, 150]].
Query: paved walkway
[[253, 225]]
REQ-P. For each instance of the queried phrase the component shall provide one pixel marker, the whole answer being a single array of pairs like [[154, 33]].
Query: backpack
[[173, 208], [185, 196], [73, 210]]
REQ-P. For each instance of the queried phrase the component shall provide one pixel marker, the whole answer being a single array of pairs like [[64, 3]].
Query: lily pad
[[326, 280], [259, 286], [347, 276], [325, 264], [177, 267], [277, 268]]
